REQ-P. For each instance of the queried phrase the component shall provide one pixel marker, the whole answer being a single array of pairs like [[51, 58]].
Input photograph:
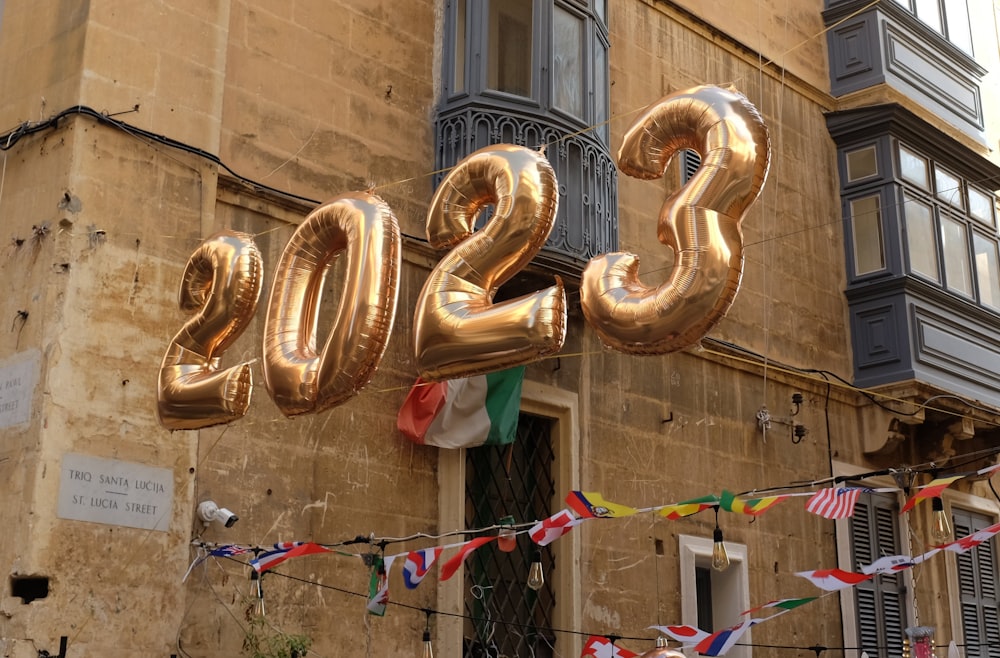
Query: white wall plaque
[[115, 492], [18, 376]]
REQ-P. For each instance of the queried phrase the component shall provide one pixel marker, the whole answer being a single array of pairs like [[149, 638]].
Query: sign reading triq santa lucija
[[115, 492]]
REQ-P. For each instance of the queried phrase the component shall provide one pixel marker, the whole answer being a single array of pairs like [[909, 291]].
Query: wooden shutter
[[977, 584], [880, 602]]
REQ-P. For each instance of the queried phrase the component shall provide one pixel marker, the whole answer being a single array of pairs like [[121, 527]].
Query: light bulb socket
[[937, 504], [717, 535], [427, 635]]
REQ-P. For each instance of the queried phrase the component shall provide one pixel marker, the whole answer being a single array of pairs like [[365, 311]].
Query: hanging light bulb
[[428, 650], [536, 577], [720, 558], [940, 527]]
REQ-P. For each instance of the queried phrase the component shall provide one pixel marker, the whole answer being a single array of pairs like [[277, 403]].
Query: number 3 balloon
[[700, 222]]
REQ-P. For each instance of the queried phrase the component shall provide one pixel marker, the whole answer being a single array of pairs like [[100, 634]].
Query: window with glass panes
[[977, 585], [950, 226], [549, 57], [880, 602], [949, 18]]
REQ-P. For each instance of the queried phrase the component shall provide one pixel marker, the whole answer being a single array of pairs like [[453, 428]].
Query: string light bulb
[[940, 527], [536, 576], [720, 558]]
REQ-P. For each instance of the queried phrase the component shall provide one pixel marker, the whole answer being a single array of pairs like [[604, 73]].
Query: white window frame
[[729, 603], [563, 408], [845, 561]]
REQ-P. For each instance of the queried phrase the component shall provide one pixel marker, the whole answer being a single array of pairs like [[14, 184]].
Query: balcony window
[[950, 19], [951, 237], [922, 248], [862, 163], [866, 231], [534, 73]]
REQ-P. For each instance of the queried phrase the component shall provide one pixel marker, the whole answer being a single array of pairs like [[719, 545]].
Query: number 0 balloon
[[299, 379], [700, 222]]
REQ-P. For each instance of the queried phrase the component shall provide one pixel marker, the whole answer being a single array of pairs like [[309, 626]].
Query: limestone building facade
[[862, 348]]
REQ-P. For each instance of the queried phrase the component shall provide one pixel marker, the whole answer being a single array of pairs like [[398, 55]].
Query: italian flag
[[463, 413]]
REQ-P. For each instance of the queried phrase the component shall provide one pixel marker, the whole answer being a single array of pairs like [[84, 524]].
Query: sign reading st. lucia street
[[115, 492]]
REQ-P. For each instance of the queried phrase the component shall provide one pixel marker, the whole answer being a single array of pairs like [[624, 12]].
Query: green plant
[[262, 640]]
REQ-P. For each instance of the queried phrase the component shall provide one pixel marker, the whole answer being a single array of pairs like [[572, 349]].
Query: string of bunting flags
[[829, 503]]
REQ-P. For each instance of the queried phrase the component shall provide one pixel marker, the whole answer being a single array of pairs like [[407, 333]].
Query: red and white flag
[[284, 551], [601, 647], [834, 503], [449, 568], [686, 635], [831, 580], [545, 532], [969, 542]]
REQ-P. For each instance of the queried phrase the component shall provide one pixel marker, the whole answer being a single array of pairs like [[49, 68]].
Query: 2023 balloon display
[[458, 329]]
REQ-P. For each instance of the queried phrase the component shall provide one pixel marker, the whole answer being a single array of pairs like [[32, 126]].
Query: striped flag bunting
[[686, 635], [378, 588], [831, 580], [969, 542], [449, 568], [888, 564], [418, 563], [930, 490], [285, 551], [688, 507], [590, 504], [719, 642], [598, 646], [784, 604], [753, 506], [545, 532], [835, 503]]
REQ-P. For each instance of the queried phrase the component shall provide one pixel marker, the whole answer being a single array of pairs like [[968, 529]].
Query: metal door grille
[[508, 618]]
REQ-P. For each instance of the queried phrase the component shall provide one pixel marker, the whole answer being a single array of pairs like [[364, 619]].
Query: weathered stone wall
[[321, 97]]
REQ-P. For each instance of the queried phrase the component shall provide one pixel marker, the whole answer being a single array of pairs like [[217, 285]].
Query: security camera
[[208, 511]]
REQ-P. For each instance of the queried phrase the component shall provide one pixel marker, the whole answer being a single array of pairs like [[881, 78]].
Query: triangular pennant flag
[[931, 490], [285, 551], [449, 568], [590, 504], [688, 507], [720, 642], [545, 532], [835, 503], [888, 564], [969, 542], [752, 506], [598, 646], [418, 563], [686, 635], [378, 585], [831, 580], [785, 604]]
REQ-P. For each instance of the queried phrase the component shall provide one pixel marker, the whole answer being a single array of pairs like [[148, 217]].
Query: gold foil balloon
[[220, 285], [458, 330], [298, 378], [700, 222]]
